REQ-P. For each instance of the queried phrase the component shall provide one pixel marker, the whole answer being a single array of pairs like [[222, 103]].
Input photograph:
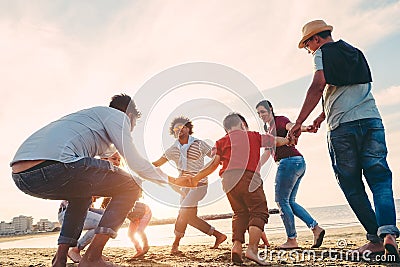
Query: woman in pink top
[[291, 169]]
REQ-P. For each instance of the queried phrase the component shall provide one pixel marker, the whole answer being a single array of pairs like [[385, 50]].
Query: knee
[[259, 221], [241, 214], [282, 202]]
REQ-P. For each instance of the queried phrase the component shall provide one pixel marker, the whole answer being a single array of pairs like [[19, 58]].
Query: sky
[[62, 56]]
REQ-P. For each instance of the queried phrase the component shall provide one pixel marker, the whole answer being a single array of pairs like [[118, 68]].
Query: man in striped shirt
[[188, 154]]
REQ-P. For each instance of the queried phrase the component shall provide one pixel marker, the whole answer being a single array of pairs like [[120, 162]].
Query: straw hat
[[312, 28]]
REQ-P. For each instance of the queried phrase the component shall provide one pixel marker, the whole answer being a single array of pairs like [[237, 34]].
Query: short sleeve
[[167, 154], [284, 121], [318, 60], [205, 148], [216, 150], [213, 151], [267, 140]]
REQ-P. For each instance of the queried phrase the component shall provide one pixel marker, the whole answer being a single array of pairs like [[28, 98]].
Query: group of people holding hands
[[63, 161]]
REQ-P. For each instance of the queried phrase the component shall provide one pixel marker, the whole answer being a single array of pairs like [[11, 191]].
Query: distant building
[[22, 224], [44, 225], [6, 228]]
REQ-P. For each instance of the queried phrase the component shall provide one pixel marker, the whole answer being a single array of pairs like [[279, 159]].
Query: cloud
[[389, 96], [59, 57]]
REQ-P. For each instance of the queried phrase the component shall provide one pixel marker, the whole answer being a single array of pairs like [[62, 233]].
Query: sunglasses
[[307, 43], [178, 128]]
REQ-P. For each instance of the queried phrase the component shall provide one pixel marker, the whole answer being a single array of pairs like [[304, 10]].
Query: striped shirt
[[195, 157]]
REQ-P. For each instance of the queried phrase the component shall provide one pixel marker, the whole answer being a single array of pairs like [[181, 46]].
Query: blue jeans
[[77, 182], [91, 222], [356, 148], [287, 181]]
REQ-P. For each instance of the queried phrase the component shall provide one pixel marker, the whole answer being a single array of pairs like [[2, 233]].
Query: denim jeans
[[91, 222], [188, 212], [77, 182], [287, 181], [356, 148]]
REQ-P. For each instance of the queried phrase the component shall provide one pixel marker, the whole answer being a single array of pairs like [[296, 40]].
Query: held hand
[[311, 129], [317, 122], [171, 180], [294, 133], [292, 142], [184, 181]]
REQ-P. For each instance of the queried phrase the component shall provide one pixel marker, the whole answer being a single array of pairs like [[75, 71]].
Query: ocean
[[160, 235]]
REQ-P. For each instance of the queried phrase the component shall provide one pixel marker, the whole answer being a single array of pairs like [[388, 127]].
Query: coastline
[[26, 236], [337, 240]]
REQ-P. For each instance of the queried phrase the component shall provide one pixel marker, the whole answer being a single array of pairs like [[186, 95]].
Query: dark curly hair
[[185, 121], [125, 103]]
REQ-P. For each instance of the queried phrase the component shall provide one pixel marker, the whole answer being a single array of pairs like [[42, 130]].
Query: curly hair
[[184, 120]]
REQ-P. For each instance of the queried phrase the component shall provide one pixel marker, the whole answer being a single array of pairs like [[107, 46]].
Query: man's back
[[347, 96], [85, 133]]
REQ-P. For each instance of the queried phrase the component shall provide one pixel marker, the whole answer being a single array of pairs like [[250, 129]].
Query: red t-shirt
[[241, 150], [283, 151]]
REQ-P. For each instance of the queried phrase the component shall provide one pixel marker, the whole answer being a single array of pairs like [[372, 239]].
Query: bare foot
[[218, 240], [74, 254], [372, 247], [236, 253], [265, 245], [141, 252], [138, 254], [391, 248], [175, 250], [58, 261], [291, 243], [254, 257], [319, 234]]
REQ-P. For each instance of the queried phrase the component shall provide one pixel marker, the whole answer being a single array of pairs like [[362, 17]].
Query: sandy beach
[[332, 253]]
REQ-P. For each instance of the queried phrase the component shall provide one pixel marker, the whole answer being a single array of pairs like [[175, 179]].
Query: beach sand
[[336, 242]]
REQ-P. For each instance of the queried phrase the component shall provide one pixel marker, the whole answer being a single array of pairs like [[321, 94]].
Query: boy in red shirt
[[239, 153]]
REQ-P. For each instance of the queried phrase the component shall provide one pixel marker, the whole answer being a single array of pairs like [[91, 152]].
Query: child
[[139, 218], [239, 153]]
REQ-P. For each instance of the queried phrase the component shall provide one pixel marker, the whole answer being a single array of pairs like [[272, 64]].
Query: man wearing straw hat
[[356, 137]]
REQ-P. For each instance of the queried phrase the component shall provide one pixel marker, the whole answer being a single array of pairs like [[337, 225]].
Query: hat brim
[[325, 28]]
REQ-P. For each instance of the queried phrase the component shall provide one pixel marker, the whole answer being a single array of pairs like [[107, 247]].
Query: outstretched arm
[[303, 128], [313, 96], [265, 156], [160, 161], [192, 181], [317, 122], [281, 141]]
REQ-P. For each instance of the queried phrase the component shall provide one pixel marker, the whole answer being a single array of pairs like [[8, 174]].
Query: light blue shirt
[[88, 133]]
